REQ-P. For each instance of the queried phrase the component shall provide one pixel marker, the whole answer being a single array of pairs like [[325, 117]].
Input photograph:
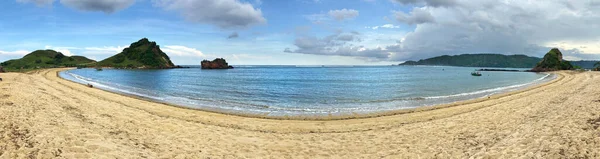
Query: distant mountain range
[[489, 60]]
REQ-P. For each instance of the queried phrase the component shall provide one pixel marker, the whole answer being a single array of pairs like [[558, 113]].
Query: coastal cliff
[[552, 61], [218, 63], [142, 54]]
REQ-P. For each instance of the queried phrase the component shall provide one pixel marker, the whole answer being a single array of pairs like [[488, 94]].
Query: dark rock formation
[[2, 70], [218, 63], [552, 61]]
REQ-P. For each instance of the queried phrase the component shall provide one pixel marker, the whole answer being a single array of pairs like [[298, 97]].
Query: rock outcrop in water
[[552, 61], [218, 63]]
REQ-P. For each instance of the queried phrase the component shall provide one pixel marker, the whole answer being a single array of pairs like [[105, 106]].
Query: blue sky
[[299, 32]]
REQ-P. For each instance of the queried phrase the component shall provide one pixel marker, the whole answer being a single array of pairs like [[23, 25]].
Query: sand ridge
[[43, 116]]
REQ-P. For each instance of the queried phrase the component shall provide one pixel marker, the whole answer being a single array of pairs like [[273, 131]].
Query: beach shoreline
[[345, 116], [44, 116]]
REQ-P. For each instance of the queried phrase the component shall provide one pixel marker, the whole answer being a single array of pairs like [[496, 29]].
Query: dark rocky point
[[218, 63], [2, 70]]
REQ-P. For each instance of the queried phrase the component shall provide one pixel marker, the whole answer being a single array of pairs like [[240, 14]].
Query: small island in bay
[[218, 63], [142, 54], [552, 61]]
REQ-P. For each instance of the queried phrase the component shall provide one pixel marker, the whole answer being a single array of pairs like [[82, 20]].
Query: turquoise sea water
[[306, 91]]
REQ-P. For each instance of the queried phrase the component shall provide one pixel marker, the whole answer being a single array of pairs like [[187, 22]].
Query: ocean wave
[[493, 90], [85, 80], [291, 108]]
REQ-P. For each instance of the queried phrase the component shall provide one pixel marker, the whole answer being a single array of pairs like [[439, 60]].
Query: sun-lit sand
[[44, 116]]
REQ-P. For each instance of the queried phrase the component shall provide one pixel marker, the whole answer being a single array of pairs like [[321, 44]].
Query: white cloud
[[37, 2], [233, 35], [107, 6], [416, 16], [106, 50], [86, 51], [177, 50], [483, 26], [343, 14], [7, 55], [387, 26], [434, 3], [18, 52], [338, 44], [226, 14], [508, 27], [64, 50]]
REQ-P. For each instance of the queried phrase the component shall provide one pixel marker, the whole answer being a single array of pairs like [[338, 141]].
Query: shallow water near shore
[[307, 90]]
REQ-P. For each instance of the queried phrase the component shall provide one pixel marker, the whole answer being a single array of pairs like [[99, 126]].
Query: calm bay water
[[306, 91]]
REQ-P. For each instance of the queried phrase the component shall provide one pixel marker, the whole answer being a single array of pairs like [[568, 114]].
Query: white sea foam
[[291, 108], [493, 90]]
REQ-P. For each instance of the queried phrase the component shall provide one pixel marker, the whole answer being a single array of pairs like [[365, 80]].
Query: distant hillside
[[45, 59], [584, 64], [141, 54], [479, 60]]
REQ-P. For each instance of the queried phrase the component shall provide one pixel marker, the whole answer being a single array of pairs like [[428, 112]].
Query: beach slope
[[43, 116]]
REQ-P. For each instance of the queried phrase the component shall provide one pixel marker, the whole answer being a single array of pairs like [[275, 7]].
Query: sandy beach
[[44, 116]]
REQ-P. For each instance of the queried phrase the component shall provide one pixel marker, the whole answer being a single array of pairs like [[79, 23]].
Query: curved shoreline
[[48, 117], [528, 86]]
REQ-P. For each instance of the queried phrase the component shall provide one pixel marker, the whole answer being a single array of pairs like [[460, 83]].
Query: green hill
[[44, 59], [141, 54], [584, 64], [479, 60], [552, 61]]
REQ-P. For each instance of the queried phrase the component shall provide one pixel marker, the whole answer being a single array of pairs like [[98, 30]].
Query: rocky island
[[142, 54], [552, 61], [218, 63]]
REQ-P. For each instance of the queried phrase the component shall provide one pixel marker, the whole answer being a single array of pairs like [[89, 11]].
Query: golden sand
[[43, 116]]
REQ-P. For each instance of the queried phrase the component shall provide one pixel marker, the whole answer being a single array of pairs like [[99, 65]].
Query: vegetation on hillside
[[45, 59], [479, 60], [584, 64], [141, 54], [552, 61]]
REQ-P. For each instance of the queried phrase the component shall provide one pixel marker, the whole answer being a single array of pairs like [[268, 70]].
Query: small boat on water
[[476, 73], [99, 69]]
